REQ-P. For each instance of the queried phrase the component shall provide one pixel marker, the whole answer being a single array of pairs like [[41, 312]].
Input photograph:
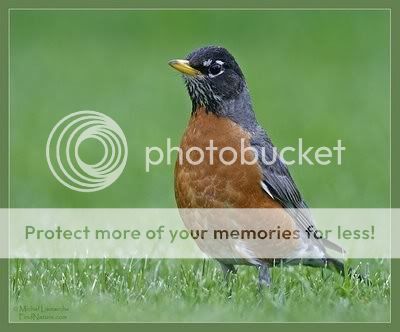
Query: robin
[[222, 112]]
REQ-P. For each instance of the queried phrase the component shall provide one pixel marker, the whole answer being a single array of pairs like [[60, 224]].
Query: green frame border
[[395, 138]]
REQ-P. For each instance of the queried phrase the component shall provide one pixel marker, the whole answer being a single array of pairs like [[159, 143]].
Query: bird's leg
[[264, 278], [228, 270]]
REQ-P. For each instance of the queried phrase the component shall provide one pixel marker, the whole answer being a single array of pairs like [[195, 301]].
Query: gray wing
[[279, 184], [275, 174]]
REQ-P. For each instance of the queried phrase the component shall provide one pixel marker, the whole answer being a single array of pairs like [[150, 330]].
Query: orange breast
[[213, 183]]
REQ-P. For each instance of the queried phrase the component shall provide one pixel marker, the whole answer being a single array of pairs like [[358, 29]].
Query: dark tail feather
[[336, 265], [331, 263]]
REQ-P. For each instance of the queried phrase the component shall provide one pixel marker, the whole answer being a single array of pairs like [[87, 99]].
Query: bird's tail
[[331, 263], [338, 266]]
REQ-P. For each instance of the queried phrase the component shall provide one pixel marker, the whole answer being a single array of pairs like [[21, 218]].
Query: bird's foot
[[264, 277], [229, 272], [359, 277]]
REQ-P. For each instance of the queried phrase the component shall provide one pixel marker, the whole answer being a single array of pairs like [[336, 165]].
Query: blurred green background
[[319, 75]]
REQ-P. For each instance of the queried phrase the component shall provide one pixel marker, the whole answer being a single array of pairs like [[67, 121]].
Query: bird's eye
[[215, 69]]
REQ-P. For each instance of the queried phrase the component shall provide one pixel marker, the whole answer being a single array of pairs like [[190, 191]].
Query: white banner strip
[[240, 234]]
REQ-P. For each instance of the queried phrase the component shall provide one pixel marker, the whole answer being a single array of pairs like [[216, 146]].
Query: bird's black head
[[212, 76]]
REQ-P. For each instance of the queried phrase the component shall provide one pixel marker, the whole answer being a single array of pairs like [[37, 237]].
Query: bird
[[222, 111]]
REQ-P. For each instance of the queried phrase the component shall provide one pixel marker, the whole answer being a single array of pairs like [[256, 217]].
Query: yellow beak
[[183, 67]]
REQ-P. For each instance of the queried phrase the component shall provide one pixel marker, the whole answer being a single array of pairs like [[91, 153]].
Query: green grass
[[195, 291]]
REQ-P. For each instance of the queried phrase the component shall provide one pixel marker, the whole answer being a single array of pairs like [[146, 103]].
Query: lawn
[[195, 291]]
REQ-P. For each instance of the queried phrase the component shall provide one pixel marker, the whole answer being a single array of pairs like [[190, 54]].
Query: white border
[[196, 9]]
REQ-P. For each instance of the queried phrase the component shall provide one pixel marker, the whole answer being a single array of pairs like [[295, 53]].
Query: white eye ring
[[219, 64], [212, 76]]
